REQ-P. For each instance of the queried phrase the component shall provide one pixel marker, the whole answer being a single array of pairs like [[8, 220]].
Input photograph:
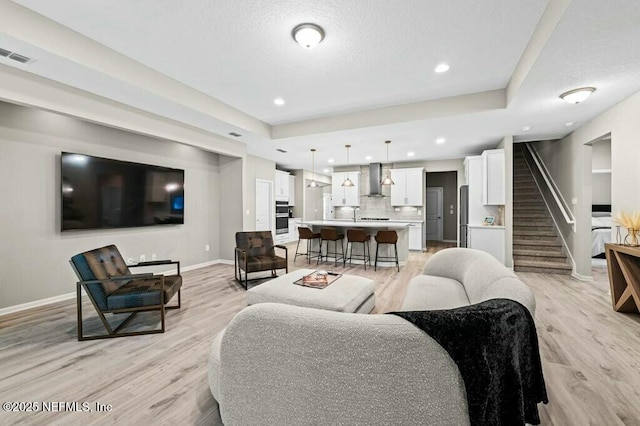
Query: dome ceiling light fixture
[[576, 96], [308, 35]]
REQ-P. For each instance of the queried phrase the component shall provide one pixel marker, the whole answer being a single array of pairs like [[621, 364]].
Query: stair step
[[523, 218], [529, 240], [542, 270], [562, 266], [535, 233], [533, 226], [539, 253]]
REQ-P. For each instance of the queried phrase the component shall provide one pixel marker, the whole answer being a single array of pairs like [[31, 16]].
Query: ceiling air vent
[[234, 134], [16, 56], [281, 150]]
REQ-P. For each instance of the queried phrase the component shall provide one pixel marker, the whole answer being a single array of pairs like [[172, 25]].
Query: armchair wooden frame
[[240, 265], [133, 311]]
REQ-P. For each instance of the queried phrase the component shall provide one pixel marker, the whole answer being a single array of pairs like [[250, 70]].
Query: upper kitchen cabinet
[[345, 196], [292, 190], [282, 186], [408, 187], [493, 177]]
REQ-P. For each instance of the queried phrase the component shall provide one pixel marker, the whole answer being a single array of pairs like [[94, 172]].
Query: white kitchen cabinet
[[493, 177], [345, 196], [408, 187], [490, 239], [292, 190], [294, 223], [415, 236], [282, 186]]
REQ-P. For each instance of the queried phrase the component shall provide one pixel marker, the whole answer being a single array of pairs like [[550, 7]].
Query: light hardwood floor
[[591, 354]]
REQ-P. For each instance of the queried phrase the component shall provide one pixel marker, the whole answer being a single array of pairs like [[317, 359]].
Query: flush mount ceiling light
[[576, 96], [278, 101], [347, 182], [308, 35], [387, 180], [440, 141], [442, 68], [313, 183]]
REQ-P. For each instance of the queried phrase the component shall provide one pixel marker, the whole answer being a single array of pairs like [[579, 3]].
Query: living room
[[42, 115]]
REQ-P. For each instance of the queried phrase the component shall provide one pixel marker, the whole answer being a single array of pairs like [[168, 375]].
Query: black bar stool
[[331, 234], [387, 237], [306, 234], [359, 236]]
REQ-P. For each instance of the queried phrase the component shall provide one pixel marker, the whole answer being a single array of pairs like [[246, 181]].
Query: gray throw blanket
[[495, 346]]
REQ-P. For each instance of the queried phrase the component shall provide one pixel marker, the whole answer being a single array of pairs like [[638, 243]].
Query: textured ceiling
[[376, 54]]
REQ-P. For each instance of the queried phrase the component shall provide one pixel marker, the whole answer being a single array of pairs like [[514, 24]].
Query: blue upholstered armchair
[[113, 289]]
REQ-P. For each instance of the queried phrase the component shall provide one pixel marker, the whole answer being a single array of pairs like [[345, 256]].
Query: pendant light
[[347, 182], [313, 183], [387, 180]]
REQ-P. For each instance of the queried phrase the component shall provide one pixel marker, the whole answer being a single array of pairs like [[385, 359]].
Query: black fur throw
[[495, 346]]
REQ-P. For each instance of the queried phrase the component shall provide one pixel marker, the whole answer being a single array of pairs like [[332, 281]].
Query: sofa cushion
[[427, 292], [511, 288], [481, 274], [214, 365]]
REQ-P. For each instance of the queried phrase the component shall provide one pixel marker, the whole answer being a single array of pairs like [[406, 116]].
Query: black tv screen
[[99, 193]]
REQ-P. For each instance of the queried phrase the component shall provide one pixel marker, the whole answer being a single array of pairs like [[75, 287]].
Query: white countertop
[[486, 227], [359, 224]]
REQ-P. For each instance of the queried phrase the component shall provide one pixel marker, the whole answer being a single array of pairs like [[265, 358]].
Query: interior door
[[264, 205], [327, 207], [434, 214]]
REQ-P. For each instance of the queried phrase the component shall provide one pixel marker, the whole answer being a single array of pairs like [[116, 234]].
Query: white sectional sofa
[[280, 364]]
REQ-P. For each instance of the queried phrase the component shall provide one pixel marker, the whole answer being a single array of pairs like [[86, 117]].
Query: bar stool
[[306, 234], [387, 237], [359, 236], [331, 234]]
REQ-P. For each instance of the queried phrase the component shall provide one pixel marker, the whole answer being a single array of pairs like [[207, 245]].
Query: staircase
[[536, 246]]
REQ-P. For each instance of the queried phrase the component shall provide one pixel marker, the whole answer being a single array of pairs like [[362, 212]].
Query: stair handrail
[[557, 196]]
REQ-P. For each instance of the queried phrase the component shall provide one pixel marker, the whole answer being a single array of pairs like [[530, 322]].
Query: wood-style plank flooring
[[591, 354]]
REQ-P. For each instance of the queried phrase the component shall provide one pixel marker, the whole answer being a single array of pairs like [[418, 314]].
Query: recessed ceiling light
[[326, 170], [308, 35], [278, 101], [576, 96], [526, 128], [368, 157], [330, 160], [442, 68], [410, 154], [440, 140], [570, 124]]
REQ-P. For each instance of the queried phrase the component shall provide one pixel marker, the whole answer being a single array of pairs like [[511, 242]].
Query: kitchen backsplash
[[377, 206]]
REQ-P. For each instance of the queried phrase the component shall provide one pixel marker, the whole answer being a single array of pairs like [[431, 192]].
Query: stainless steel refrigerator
[[464, 215]]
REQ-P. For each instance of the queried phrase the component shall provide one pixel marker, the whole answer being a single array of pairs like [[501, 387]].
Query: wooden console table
[[623, 263]]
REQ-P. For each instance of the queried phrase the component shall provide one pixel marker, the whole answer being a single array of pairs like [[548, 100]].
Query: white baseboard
[[36, 303], [49, 300], [581, 277]]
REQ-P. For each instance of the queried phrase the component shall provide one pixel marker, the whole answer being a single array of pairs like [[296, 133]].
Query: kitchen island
[[370, 227]]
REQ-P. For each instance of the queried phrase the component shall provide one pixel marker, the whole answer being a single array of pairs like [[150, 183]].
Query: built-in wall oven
[[282, 217]]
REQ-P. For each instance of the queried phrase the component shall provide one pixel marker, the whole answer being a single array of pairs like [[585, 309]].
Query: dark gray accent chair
[[114, 290]]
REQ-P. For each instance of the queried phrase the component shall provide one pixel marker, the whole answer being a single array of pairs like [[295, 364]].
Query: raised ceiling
[[219, 65]]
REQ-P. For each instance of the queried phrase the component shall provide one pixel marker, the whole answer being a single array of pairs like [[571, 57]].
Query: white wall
[[569, 161], [34, 254]]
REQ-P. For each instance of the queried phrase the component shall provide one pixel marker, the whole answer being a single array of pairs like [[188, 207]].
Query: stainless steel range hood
[[375, 177]]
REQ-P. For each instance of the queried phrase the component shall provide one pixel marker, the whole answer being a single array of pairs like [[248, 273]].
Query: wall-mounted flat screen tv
[[99, 193]]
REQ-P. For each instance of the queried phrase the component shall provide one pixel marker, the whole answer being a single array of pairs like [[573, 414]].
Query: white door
[[434, 214], [264, 205], [327, 207]]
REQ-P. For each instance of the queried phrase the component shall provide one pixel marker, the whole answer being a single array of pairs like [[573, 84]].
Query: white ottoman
[[349, 293]]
